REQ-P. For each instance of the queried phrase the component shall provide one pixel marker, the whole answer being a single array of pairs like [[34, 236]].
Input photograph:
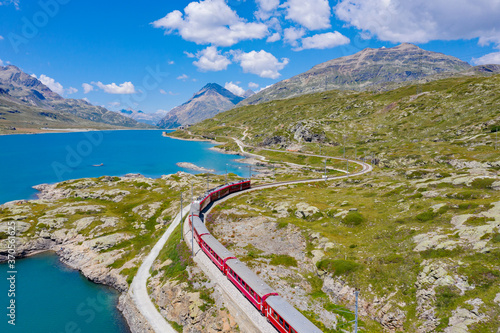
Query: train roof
[[250, 278], [210, 191], [217, 246], [199, 225], [291, 315]]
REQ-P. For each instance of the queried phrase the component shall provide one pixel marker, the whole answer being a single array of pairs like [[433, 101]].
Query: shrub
[[284, 260], [426, 216], [446, 295], [496, 238], [474, 220], [482, 183], [353, 218], [480, 275], [337, 267], [468, 205]]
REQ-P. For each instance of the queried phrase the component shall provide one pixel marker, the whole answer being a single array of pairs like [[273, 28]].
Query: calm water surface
[[51, 297], [27, 160]]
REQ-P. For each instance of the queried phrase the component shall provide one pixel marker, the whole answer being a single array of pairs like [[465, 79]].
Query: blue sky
[[152, 55]]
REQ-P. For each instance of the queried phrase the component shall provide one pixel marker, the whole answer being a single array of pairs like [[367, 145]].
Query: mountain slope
[[206, 103], [369, 69], [27, 91]]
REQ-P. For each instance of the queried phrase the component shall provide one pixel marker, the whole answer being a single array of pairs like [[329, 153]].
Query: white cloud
[[71, 90], [292, 34], [274, 37], [171, 62], [189, 54], [266, 8], [210, 59], [114, 104], [210, 22], [51, 83], [8, 2], [252, 85], [163, 92], [87, 88], [113, 88], [312, 14], [183, 77], [234, 88], [262, 63], [86, 100], [420, 21], [491, 58], [1, 37], [324, 41], [1, 62]]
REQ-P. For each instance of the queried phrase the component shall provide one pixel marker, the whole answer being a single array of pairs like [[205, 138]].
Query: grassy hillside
[[418, 237], [452, 117]]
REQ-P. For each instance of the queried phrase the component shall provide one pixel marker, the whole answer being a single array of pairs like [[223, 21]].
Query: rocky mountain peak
[[206, 103]]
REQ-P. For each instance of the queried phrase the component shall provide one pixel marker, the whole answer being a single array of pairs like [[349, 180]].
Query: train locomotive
[[284, 317]]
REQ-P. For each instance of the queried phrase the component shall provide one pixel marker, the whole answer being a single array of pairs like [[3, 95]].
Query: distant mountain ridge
[[143, 117], [382, 68], [206, 103], [23, 90]]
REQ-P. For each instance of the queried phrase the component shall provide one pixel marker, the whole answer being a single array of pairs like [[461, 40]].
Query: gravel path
[[138, 290]]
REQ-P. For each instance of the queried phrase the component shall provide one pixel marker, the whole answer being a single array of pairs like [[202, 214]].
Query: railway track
[[248, 318]]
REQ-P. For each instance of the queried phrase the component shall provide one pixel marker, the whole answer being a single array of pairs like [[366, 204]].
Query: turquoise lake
[[33, 159], [53, 298], [50, 297]]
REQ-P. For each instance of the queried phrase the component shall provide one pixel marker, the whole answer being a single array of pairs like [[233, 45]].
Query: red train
[[284, 317]]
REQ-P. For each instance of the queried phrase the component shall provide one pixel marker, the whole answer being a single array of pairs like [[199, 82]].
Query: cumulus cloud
[[113, 88], [274, 37], [252, 85], [171, 62], [234, 88], [291, 35], [420, 21], [87, 88], [163, 92], [324, 41], [262, 63], [50, 83], [114, 104], [183, 77], [71, 90], [311, 14], [1, 62], [210, 59], [266, 8], [210, 22], [491, 58]]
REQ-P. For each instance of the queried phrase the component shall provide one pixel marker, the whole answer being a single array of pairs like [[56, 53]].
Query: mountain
[[206, 103], [143, 117], [20, 91], [369, 69]]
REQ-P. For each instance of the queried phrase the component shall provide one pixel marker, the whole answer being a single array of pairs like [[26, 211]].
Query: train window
[[287, 327], [275, 315], [293, 331], [281, 321]]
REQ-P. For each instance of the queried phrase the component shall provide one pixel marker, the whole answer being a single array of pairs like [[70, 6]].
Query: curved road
[[247, 317]]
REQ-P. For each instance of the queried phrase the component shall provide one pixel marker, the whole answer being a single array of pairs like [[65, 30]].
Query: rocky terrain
[[143, 117], [421, 249], [371, 69], [206, 103], [26, 103], [104, 227]]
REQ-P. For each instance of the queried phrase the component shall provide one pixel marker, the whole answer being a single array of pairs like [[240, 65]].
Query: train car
[[215, 251], [286, 318], [199, 227], [249, 284], [219, 192]]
